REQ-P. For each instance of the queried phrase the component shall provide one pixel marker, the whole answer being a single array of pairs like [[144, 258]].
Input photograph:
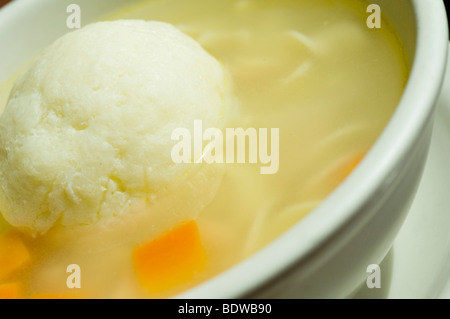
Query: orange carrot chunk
[[350, 164], [10, 290], [13, 253], [170, 260]]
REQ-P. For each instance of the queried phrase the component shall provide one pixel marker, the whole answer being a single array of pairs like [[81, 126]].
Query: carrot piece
[[350, 164], [12, 290], [13, 253], [171, 260]]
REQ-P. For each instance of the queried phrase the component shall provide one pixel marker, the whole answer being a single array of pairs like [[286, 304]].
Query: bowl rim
[[374, 172]]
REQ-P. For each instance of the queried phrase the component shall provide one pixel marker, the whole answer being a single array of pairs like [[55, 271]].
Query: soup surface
[[311, 69]]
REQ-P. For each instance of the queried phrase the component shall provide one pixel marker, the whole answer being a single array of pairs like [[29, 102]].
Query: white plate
[[418, 266]]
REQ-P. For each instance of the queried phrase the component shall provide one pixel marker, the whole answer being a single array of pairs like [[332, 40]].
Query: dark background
[[447, 6], [3, 2]]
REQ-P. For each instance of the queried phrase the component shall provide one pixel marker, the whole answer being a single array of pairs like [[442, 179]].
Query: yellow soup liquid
[[311, 68]]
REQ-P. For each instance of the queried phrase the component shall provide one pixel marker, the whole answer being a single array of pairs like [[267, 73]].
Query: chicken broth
[[313, 70]]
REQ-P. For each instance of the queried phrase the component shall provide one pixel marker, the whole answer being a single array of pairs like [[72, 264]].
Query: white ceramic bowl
[[326, 254]]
